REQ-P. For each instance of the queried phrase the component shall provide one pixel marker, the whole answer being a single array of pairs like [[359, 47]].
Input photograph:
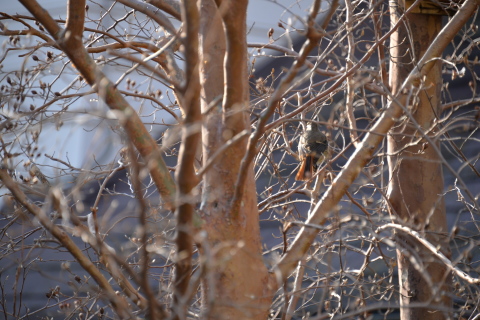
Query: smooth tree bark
[[236, 284], [415, 190], [185, 175]]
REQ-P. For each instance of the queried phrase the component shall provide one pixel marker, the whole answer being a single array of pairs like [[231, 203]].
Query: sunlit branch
[[367, 147], [140, 137]]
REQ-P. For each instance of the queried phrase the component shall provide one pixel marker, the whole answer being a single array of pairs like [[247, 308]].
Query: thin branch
[[140, 62], [313, 37], [141, 138], [433, 249], [365, 150], [126, 44], [154, 311], [328, 73], [350, 94], [119, 304], [30, 31], [297, 286]]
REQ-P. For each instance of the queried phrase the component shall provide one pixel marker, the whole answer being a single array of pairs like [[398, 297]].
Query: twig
[[366, 148], [141, 138], [313, 37], [118, 302], [350, 79], [433, 249]]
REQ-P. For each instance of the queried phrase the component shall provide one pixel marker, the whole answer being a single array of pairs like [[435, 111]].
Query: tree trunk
[[236, 283], [416, 180]]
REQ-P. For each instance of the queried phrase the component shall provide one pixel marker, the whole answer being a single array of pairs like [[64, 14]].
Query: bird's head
[[312, 126]]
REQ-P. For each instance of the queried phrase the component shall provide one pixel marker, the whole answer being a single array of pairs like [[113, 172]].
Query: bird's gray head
[[312, 126]]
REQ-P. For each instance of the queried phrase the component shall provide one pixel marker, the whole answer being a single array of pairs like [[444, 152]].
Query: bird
[[312, 149]]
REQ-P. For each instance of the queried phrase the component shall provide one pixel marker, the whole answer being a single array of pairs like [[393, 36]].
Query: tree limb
[[118, 303], [169, 6], [140, 137], [313, 36], [152, 12], [433, 249], [185, 174], [366, 148]]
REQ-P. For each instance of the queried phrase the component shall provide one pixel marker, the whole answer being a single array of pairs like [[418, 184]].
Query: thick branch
[[365, 150], [75, 20], [151, 12], [234, 98], [185, 175], [119, 304], [169, 6], [129, 118], [433, 249]]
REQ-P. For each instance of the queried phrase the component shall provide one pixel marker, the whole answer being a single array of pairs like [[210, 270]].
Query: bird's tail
[[307, 168]]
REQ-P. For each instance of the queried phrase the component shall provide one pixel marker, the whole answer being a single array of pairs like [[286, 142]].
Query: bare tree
[[132, 240]]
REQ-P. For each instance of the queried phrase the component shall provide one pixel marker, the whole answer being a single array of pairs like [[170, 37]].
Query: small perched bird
[[312, 148]]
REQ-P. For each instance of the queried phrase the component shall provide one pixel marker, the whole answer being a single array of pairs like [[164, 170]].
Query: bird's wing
[[319, 147], [301, 147]]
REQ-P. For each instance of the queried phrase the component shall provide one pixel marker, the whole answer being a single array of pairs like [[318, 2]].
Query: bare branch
[[169, 6], [75, 21], [185, 174], [313, 37], [350, 94], [365, 150], [433, 249], [118, 302], [151, 12], [140, 137]]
